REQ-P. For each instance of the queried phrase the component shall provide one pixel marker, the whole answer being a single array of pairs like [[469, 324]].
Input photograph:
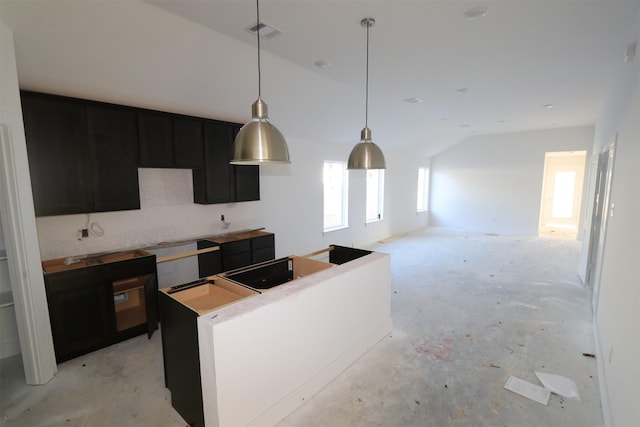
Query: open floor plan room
[[469, 311]]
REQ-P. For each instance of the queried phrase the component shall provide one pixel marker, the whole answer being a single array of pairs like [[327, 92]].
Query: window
[[423, 189], [335, 180], [375, 194]]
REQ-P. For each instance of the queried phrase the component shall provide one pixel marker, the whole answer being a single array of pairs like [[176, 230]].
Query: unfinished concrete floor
[[469, 310]]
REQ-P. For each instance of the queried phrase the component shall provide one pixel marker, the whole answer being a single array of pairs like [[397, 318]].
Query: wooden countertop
[[80, 261], [74, 262], [237, 236]]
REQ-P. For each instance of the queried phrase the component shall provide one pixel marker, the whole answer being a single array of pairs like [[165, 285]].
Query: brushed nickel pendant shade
[[258, 141], [366, 154]]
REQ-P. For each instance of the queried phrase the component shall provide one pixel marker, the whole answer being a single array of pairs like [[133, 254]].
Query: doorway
[[562, 193]]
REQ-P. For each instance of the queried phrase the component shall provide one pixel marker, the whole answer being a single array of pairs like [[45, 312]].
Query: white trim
[[27, 283], [596, 274], [602, 378]]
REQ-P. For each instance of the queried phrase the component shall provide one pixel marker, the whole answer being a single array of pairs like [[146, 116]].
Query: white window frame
[[336, 196], [375, 195], [422, 202]]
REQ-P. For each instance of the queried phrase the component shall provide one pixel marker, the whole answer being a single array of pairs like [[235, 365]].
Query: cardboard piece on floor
[[527, 389], [559, 385]]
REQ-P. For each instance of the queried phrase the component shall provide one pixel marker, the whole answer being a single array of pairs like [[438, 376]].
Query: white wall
[[618, 305], [493, 183], [291, 206]]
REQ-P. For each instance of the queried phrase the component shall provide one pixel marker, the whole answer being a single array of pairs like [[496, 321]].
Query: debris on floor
[[528, 390], [559, 385]]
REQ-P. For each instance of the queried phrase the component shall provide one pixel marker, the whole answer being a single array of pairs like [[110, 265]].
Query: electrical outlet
[[84, 233], [221, 217]]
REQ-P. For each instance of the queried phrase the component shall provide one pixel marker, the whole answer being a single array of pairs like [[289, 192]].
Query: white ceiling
[[490, 75]]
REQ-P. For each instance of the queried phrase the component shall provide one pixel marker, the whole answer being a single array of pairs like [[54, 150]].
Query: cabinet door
[[181, 357], [155, 136], [209, 263], [114, 149], [247, 183], [59, 161], [187, 143], [81, 311], [246, 179], [212, 184], [151, 299]]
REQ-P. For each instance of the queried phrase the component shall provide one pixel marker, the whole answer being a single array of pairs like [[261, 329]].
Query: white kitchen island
[[262, 356]]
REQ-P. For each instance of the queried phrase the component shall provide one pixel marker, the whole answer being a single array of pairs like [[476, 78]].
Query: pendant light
[[366, 154], [258, 141]]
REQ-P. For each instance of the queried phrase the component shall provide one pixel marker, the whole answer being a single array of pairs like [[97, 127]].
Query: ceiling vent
[[266, 31]]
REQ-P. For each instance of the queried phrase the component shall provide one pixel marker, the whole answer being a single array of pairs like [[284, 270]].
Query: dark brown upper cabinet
[[59, 159], [82, 156], [114, 155], [169, 141], [187, 143], [219, 181]]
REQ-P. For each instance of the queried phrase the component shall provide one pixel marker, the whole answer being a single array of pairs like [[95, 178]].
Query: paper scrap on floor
[[527, 389], [559, 385]]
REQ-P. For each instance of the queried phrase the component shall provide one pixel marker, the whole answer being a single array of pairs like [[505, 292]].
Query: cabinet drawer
[[264, 254], [261, 242], [231, 262], [236, 247]]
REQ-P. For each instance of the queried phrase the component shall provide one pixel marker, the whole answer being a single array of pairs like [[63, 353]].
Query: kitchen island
[[255, 358]]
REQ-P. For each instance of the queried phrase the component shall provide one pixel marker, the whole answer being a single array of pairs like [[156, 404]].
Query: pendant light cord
[[366, 108], [258, 25]]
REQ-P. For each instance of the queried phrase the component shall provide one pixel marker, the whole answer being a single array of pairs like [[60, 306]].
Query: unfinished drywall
[[493, 183], [618, 300]]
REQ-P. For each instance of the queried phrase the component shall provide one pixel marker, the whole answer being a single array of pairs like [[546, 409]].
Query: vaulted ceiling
[[498, 73]]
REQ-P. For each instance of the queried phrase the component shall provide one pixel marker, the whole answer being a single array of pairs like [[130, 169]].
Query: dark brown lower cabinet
[[235, 252], [94, 306], [181, 358]]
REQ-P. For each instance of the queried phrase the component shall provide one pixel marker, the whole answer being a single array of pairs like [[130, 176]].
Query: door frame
[[600, 213], [23, 258], [555, 161]]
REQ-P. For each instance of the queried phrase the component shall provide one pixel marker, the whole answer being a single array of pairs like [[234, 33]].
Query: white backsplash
[[165, 187]]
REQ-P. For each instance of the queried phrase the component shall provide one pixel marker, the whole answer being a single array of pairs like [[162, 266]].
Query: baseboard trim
[[602, 377]]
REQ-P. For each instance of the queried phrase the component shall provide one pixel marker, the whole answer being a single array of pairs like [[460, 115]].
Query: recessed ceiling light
[[548, 106], [266, 31], [500, 121], [476, 13], [465, 126], [463, 90], [412, 100], [322, 63]]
